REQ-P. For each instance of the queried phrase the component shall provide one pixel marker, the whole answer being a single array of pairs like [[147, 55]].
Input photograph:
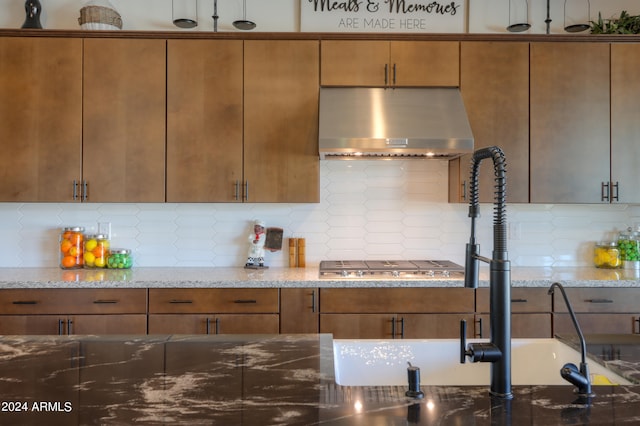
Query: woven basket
[[99, 17]]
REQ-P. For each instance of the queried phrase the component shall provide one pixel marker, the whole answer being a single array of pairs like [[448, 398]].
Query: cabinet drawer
[[73, 301], [522, 300], [599, 300], [397, 300], [213, 300]]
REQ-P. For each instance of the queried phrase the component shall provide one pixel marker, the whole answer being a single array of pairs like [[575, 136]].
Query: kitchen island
[[261, 380]]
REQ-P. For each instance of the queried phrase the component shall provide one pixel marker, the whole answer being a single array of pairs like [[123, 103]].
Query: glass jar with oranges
[[96, 251], [72, 247]]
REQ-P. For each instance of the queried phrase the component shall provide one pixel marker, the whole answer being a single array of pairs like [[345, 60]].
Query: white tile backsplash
[[368, 209]]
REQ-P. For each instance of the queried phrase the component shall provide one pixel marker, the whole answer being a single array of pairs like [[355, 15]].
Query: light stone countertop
[[193, 277]]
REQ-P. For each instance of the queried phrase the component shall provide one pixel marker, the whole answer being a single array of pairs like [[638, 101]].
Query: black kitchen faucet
[[498, 350]]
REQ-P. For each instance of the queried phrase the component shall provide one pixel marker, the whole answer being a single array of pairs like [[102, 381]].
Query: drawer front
[[522, 300], [73, 301], [213, 300], [598, 300], [397, 300]]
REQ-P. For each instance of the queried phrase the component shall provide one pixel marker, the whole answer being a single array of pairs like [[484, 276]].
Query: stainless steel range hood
[[393, 123]]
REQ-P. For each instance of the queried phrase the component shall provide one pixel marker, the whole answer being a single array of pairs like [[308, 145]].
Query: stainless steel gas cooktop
[[390, 268]]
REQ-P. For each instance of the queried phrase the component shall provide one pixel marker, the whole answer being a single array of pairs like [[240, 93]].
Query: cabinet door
[[494, 80], [625, 126], [124, 120], [354, 63], [107, 324], [180, 324], [360, 326], [523, 325], [214, 324], [40, 118], [434, 326], [298, 310], [32, 324], [596, 324], [281, 161], [570, 130], [204, 120], [425, 63]]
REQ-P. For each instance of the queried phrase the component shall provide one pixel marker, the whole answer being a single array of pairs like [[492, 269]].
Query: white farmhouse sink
[[384, 363]]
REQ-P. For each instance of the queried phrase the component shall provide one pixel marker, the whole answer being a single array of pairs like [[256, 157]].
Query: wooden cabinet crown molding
[[606, 38]]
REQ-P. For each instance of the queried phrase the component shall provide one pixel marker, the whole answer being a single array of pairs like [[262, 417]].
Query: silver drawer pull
[[25, 302], [104, 302], [599, 301], [177, 301], [245, 301]]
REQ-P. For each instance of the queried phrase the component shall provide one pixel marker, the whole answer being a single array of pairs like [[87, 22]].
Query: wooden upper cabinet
[[124, 120], [625, 126], [40, 118], [281, 161], [395, 63], [494, 81], [570, 122], [204, 120]]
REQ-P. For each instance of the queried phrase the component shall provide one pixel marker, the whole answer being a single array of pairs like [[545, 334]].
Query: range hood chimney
[[370, 123]]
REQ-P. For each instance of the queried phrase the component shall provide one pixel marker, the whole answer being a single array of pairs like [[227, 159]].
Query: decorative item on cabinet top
[[244, 24], [185, 13], [519, 16], [32, 8], [99, 15]]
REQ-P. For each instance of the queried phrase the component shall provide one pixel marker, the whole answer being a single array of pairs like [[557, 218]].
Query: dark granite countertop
[[262, 380]]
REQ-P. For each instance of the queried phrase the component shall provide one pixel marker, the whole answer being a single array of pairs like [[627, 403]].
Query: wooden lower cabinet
[[597, 324], [530, 313], [395, 313], [598, 310], [214, 324], [398, 326], [299, 310], [214, 311], [73, 311], [74, 324]]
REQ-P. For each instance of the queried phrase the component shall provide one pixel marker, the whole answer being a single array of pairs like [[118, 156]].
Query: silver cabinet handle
[[394, 74], [386, 74], [237, 190], [604, 191], [615, 186], [246, 190], [74, 190], [85, 192]]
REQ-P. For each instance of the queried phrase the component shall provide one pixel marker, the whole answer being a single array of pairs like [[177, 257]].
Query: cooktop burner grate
[[395, 268]]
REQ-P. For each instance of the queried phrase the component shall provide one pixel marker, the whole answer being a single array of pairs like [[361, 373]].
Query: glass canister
[[120, 259], [72, 247], [629, 246], [607, 255], [96, 251]]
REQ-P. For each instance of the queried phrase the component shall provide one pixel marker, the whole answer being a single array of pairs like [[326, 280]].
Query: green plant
[[624, 24]]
